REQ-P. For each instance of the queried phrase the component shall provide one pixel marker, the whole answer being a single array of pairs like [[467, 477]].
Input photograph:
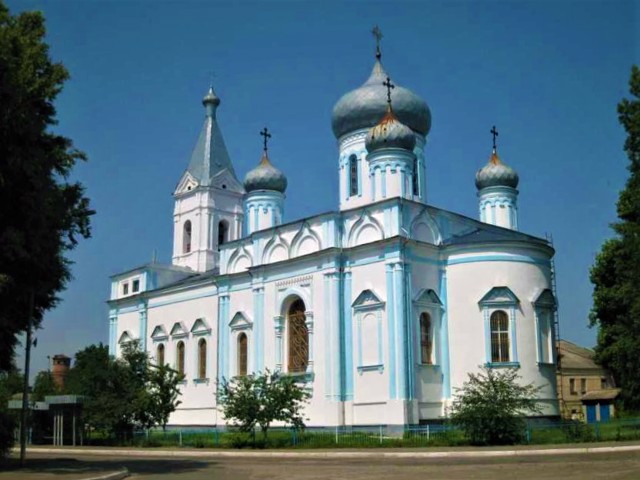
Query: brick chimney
[[60, 369]]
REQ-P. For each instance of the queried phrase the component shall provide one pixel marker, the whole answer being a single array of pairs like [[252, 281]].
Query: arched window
[[499, 337], [426, 342], [180, 358], [160, 354], [353, 175], [186, 237], [223, 232], [242, 354], [202, 359], [298, 336]]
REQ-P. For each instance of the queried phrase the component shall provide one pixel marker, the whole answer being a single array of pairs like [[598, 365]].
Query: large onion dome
[[265, 177], [364, 106], [496, 174], [390, 133]]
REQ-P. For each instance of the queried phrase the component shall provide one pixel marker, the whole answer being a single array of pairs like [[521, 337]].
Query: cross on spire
[[377, 34], [389, 86], [265, 133], [494, 132]]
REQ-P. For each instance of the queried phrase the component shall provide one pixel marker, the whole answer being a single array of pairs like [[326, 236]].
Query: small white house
[[380, 308]]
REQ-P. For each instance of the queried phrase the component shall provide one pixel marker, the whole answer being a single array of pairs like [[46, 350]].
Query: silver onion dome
[[265, 177], [364, 106], [390, 133], [496, 174]]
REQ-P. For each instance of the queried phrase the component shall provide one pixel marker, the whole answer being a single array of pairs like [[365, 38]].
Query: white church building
[[380, 309]]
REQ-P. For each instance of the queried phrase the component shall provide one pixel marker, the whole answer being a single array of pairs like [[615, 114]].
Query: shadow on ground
[[72, 466]]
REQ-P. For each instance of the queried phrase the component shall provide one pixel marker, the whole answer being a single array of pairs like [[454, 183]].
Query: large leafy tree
[[256, 401], [491, 407], [125, 393], [43, 212], [616, 273]]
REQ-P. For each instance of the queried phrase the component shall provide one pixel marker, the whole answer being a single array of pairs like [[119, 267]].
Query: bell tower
[[208, 199]]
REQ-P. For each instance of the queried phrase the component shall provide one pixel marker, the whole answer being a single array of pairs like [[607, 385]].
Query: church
[[380, 309]]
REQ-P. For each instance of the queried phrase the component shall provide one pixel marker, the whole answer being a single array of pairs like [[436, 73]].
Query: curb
[[334, 454], [124, 473]]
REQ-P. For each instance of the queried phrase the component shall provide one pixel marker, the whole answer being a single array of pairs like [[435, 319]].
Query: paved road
[[610, 466]]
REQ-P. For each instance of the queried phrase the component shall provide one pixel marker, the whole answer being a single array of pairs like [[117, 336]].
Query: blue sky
[[548, 74]]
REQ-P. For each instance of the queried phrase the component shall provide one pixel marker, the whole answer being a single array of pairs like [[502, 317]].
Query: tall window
[[223, 232], [416, 185], [202, 359], [353, 175], [186, 237], [572, 386], [499, 337], [583, 385], [426, 343], [242, 354], [180, 358], [298, 335], [160, 354]]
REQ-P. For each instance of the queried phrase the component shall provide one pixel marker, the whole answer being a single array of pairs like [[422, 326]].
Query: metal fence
[[375, 436]]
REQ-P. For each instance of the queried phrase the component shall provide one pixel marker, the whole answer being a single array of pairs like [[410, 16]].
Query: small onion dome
[[363, 107], [265, 177], [496, 174], [390, 133], [210, 98]]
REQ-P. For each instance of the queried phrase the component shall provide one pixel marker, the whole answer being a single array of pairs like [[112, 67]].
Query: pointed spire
[[210, 156]]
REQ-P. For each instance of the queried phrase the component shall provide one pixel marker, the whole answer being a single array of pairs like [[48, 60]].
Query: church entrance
[[298, 338]]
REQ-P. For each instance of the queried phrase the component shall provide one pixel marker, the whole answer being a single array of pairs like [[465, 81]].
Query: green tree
[[48, 212], [105, 385], [43, 385], [256, 401], [491, 407], [125, 393], [164, 392], [616, 272], [10, 384]]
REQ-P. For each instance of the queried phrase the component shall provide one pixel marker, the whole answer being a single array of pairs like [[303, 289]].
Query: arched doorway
[[297, 338]]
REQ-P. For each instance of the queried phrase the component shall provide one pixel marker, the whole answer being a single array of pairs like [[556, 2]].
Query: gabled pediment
[[428, 296], [499, 296], [226, 181], [187, 182], [546, 299], [240, 321], [179, 330], [200, 327], [126, 337], [159, 333], [367, 299]]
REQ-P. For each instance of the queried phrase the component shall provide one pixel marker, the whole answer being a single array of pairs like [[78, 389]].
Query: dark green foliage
[[10, 384], [125, 393], [616, 272], [491, 407], [43, 213], [43, 385], [255, 401]]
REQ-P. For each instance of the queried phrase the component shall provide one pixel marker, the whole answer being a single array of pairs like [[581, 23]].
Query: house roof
[[575, 356], [607, 394]]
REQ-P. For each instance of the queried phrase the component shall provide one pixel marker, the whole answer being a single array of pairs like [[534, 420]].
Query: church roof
[[210, 156], [366, 105], [496, 173]]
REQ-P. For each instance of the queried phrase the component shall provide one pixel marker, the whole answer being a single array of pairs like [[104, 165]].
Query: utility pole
[[25, 388]]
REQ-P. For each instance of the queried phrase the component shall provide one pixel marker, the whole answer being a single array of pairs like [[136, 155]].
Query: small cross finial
[[377, 34], [265, 133], [494, 132], [389, 86]]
